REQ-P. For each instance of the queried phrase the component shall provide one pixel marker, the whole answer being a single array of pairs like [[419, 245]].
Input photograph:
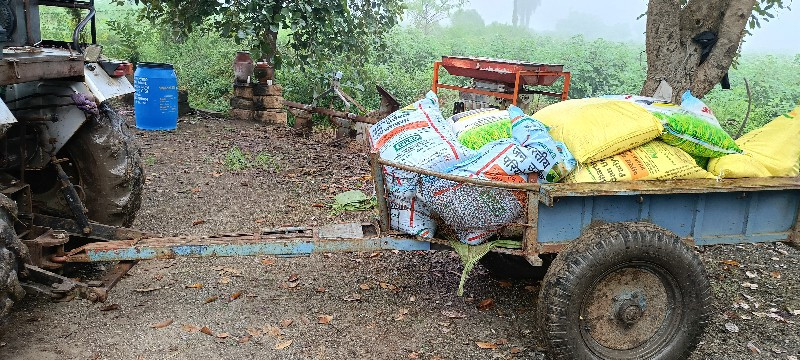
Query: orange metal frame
[[564, 95]]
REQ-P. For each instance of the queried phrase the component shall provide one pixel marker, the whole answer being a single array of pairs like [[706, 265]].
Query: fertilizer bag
[[419, 136], [555, 159], [652, 161], [475, 213], [772, 150], [691, 126], [595, 128], [476, 128]]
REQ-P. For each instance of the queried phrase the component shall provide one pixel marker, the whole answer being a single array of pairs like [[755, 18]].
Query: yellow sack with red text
[[652, 161]]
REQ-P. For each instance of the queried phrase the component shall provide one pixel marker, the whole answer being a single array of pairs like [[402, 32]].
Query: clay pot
[[264, 72], [243, 67]]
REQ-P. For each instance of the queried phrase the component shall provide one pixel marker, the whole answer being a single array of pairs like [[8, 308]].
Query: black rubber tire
[[605, 255], [107, 163], [12, 255], [512, 267]]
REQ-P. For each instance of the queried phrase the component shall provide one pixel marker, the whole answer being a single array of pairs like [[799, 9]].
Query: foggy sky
[[616, 20]]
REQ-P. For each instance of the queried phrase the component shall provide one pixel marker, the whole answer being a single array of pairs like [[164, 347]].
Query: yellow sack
[[595, 129], [772, 150], [652, 161]]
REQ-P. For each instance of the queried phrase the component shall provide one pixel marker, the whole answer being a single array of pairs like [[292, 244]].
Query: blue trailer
[[626, 282]]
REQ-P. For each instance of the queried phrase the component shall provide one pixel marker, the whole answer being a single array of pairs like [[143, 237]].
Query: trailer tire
[[107, 164], [625, 291], [512, 267], [12, 256]]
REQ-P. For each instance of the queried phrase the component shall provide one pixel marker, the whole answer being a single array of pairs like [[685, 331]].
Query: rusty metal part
[[332, 238], [72, 198], [329, 112], [99, 231], [46, 249], [57, 286], [626, 309], [23, 66]]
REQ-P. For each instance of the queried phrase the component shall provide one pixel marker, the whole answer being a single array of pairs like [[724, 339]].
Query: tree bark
[[673, 56]]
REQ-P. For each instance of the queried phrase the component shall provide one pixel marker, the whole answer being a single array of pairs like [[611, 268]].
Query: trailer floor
[[341, 306]]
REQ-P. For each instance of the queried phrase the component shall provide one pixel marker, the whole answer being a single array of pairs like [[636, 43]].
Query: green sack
[[696, 136], [476, 137]]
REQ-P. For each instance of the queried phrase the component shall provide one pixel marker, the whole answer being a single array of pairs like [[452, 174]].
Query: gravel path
[[341, 306]]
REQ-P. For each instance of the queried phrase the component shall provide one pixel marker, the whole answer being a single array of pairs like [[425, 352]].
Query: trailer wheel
[[512, 267], [12, 255], [107, 165], [625, 291]]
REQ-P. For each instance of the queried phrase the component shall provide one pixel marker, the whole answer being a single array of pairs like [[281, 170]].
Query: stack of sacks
[[616, 139], [419, 136], [772, 150], [476, 213], [692, 126]]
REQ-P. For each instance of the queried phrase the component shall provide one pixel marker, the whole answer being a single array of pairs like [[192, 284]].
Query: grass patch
[[150, 160], [236, 159]]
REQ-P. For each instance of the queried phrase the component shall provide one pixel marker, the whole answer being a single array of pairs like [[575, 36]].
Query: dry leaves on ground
[[283, 345], [161, 325], [325, 319]]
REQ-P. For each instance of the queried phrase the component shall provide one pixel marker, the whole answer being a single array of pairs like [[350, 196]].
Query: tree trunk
[[673, 56]]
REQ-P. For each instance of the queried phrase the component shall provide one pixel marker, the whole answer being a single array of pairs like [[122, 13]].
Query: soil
[[386, 305]]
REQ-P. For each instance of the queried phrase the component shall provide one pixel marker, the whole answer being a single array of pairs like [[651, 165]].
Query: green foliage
[[404, 65], [236, 159], [426, 14], [315, 27]]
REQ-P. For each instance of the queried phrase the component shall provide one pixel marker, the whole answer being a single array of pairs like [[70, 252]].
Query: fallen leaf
[[110, 307], [194, 286], [292, 285], [293, 277], [283, 345], [189, 328], [223, 335], [161, 325], [267, 261], [211, 299], [272, 331], [775, 274], [196, 190], [486, 304], [413, 355], [236, 295], [285, 323], [364, 286], [198, 222], [731, 327], [318, 205], [352, 297], [244, 339], [374, 255], [753, 348], [730, 262], [516, 350], [401, 314], [453, 314], [253, 332], [207, 331], [501, 341], [216, 174], [504, 284], [486, 345], [321, 290], [325, 319], [530, 288], [147, 289]]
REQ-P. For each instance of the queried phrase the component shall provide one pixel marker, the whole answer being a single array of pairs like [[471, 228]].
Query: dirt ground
[[338, 306]]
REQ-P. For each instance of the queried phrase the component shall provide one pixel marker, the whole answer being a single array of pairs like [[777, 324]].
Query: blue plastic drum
[[156, 99]]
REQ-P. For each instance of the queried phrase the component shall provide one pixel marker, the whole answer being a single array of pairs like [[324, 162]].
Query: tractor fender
[[102, 86]]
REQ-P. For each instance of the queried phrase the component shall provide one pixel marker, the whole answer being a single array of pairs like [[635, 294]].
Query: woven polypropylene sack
[[476, 128], [652, 161], [595, 128], [772, 150]]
